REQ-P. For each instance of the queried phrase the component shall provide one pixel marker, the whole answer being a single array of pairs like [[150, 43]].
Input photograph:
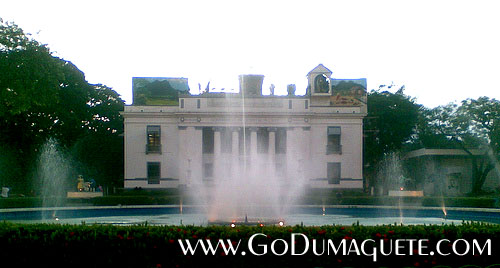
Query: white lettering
[[372, 254], [336, 250], [475, 245], [250, 245], [438, 247], [273, 250], [398, 246], [189, 248], [314, 247], [355, 250], [467, 247], [382, 248], [421, 247], [306, 247]]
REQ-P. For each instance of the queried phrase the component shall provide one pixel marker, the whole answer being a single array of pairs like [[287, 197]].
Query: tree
[[390, 123], [101, 151], [474, 127], [43, 96], [29, 75]]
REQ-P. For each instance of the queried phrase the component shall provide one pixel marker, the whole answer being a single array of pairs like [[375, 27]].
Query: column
[[235, 153], [291, 160], [217, 155], [253, 140], [272, 151], [182, 156], [194, 152], [303, 153], [253, 151]]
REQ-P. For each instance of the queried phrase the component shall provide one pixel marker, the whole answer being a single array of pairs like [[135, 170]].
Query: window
[[306, 104], [154, 173], [153, 143], [208, 170], [208, 140], [321, 84], [280, 144], [333, 144], [333, 172], [289, 104], [182, 103], [198, 103]]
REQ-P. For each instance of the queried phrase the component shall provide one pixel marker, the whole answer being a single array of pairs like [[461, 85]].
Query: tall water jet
[[245, 184], [391, 174], [52, 175]]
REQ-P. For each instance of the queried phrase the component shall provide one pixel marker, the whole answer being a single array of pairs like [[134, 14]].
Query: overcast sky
[[443, 51]]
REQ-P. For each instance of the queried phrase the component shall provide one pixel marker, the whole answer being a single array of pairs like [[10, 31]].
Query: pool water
[[309, 216]]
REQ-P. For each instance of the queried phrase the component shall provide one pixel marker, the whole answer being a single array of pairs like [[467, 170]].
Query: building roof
[[320, 69], [440, 152]]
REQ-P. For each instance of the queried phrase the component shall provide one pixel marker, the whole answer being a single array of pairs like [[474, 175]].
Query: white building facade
[[317, 137]]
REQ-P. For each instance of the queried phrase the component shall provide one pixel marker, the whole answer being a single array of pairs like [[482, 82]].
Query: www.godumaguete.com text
[[345, 247]]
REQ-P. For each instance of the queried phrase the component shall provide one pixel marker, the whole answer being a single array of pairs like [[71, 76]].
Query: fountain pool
[[194, 215]]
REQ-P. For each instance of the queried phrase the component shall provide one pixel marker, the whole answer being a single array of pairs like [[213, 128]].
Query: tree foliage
[[43, 96], [473, 126], [390, 123], [30, 75]]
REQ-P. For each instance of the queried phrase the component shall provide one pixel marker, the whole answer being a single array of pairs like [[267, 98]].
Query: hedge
[[480, 202], [22, 202], [43, 245], [155, 199]]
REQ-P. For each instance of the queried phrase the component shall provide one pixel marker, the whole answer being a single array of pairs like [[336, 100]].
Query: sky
[[442, 51]]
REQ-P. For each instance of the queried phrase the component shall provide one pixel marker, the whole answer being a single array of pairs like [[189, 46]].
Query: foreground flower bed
[[40, 245]]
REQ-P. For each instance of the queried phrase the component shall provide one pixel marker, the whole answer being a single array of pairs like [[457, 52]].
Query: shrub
[[157, 246]]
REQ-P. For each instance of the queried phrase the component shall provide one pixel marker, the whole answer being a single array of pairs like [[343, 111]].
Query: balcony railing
[[153, 148], [333, 180], [334, 149], [154, 180]]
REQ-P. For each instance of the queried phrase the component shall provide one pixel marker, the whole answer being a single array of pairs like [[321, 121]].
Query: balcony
[[334, 180], [334, 149], [153, 148]]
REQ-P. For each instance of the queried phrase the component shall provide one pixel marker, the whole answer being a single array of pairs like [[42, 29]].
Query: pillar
[[291, 159], [235, 153], [182, 156], [217, 155], [272, 151], [253, 151], [194, 144]]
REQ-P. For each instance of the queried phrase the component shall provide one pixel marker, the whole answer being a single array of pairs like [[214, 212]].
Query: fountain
[[253, 196], [246, 187], [391, 174]]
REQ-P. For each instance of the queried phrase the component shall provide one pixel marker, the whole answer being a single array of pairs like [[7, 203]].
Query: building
[[198, 138], [446, 171]]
